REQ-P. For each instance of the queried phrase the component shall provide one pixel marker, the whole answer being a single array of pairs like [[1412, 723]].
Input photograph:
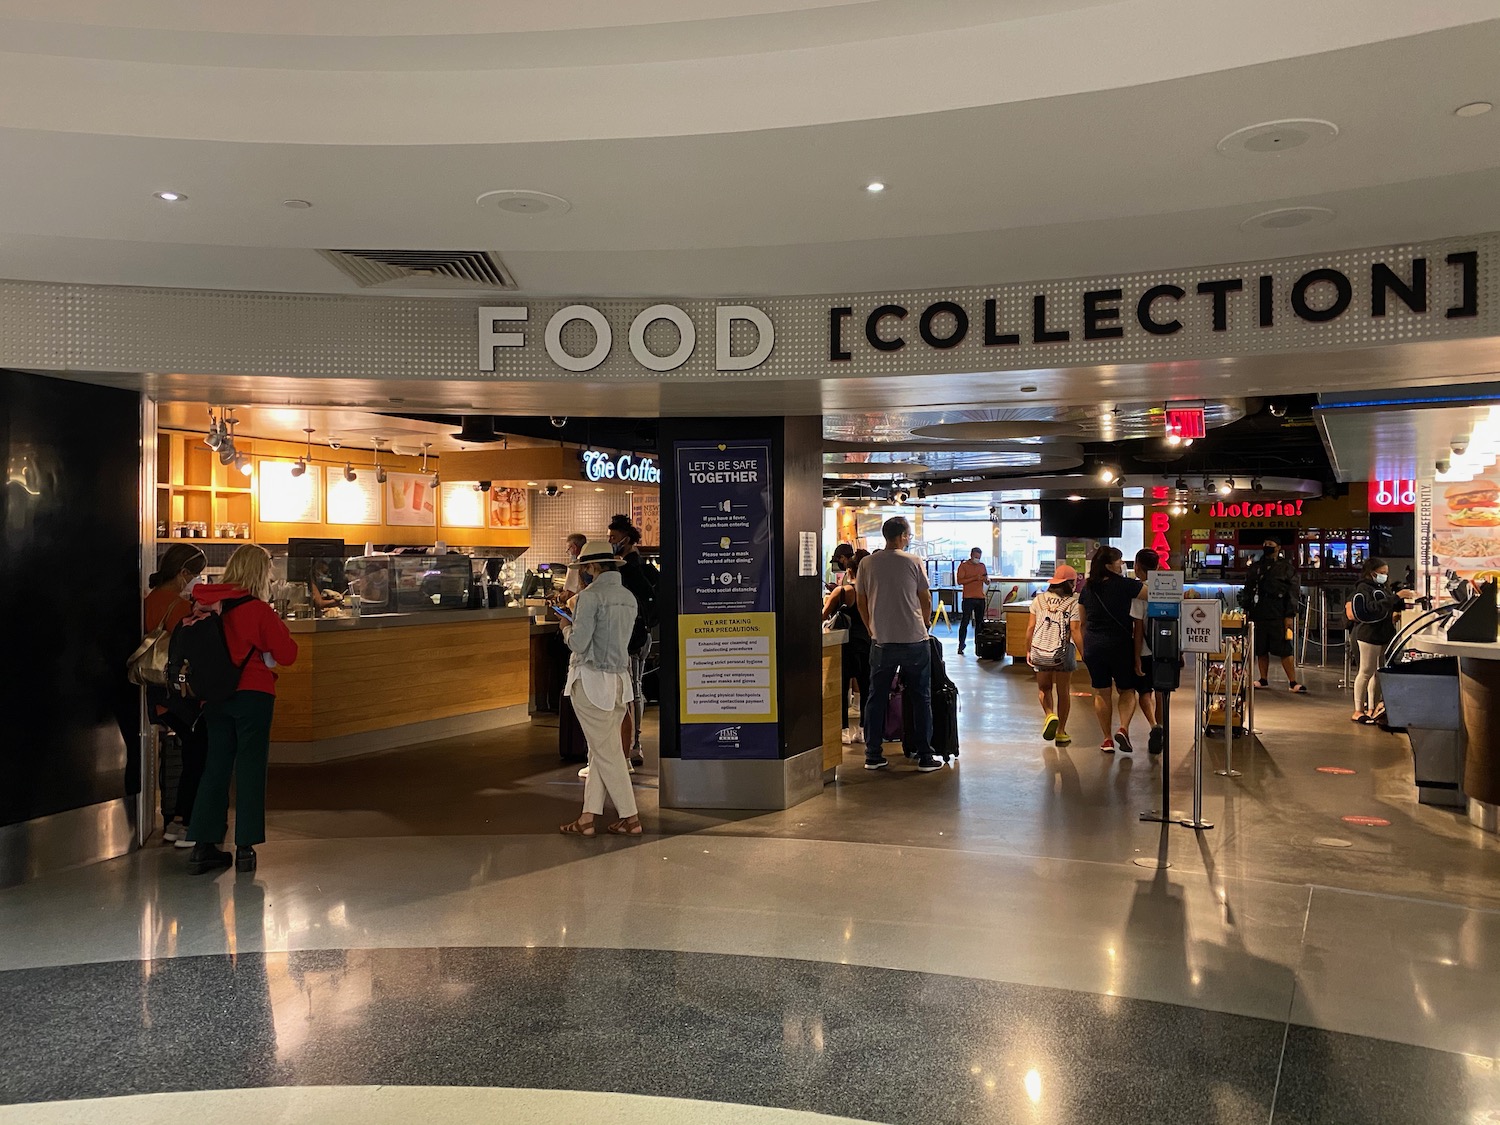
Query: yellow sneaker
[[1049, 729], [1063, 739]]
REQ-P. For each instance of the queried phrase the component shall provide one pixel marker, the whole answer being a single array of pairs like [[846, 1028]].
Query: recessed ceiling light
[[1029, 388], [875, 185], [1285, 218], [531, 484], [1473, 109], [1271, 138], [296, 204], [169, 196], [522, 201]]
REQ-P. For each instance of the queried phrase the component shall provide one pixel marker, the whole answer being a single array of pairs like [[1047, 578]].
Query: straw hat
[[595, 551]]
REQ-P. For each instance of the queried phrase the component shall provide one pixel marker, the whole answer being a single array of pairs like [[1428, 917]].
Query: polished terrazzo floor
[[972, 945]]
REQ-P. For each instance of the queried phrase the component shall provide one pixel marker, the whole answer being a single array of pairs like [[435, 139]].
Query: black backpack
[[199, 666]]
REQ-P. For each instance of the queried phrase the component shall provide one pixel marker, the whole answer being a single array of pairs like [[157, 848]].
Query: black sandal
[[1297, 688]]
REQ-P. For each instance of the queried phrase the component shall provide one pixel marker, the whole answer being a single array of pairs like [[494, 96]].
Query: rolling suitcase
[[571, 744], [944, 708]]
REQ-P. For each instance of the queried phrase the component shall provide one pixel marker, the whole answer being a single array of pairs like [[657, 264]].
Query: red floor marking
[[1339, 770], [1367, 821]]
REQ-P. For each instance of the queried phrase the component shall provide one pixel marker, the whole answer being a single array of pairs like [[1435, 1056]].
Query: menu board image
[[410, 500], [1466, 527], [509, 509], [463, 504], [285, 498], [645, 513], [727, 619], [354, 501]]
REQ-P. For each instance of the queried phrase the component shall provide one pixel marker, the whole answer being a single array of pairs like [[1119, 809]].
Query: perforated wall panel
[[116, 329]]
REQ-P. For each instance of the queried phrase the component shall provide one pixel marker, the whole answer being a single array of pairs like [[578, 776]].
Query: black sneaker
[[877, 763], [637, 761], [244, 858], [928, 765], [207, 857], [1157, 740]]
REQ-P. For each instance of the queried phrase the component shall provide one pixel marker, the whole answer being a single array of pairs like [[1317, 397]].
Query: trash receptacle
[[1422, 696]]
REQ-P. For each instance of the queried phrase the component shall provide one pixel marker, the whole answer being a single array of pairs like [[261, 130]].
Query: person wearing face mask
[[600, 688], [1109, 648], [184, 741], [1372, 609], [1271, 596]]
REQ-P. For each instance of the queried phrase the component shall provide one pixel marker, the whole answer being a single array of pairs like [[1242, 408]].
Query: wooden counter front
[[355, 682]]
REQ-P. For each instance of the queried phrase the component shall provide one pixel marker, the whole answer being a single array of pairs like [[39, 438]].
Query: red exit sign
[[1185, 422], [1393, 495]]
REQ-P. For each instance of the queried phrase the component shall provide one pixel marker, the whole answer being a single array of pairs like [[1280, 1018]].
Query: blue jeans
[[969, 608], [915, 662]]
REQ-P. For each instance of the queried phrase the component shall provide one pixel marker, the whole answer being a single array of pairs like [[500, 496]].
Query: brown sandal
[[625, 827], [577, 828]]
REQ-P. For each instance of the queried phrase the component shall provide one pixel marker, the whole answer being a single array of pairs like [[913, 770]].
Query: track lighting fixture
[[1255, 485], [349, 473], [244, 464], [436, 479], [379, 472], [302, 462], [1182, 484], [1227, 487], [1108, 474], [1208, 483]]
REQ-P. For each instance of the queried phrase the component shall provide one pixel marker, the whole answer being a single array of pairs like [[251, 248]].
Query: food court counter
[[378, 681], [1479, 708]]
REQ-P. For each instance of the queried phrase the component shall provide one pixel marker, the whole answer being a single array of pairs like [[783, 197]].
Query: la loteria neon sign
[[1248, 511], [598, 465]]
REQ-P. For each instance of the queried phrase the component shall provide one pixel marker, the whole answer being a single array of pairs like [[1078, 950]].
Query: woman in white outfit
[[599, 686]]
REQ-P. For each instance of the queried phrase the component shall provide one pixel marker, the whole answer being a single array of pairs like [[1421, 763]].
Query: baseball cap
[[1064, 573]]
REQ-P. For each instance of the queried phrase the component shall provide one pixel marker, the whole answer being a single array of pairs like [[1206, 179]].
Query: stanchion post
[[1322, 628], [1197, 823], [1250, 677]]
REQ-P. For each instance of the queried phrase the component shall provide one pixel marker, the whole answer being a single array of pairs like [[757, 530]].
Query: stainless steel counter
[[404, 620]]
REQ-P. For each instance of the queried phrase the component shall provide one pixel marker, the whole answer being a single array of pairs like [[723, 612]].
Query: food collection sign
[[726, 625]]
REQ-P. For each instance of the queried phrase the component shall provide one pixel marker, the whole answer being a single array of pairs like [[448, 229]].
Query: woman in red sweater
[[239, 729]]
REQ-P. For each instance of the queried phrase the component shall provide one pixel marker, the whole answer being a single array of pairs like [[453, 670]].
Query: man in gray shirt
[[896, 606]]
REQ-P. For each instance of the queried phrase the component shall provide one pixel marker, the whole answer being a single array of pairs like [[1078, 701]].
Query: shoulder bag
[[147, 665]]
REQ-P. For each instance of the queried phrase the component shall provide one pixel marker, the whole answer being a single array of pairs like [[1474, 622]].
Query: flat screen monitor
[[1393, 535], [1082, 519], [1213, 561]]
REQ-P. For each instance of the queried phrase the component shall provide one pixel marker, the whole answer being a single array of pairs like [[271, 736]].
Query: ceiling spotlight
[[921, 492], [244, 464], [1443, 465], [874, 185], [1187, 441], [1196, 509], [299, 467], [1173, 439], [1208, 483], [1473, 109], [1182, 484], [1029, 389], [1108, 474], [482, 485], [169, 196], [1227, 487], [349, 473], [1255, 485], [296, 204], [567, 486]]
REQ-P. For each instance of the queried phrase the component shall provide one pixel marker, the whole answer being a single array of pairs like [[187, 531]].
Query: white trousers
[[1367, 683], [609, 769]]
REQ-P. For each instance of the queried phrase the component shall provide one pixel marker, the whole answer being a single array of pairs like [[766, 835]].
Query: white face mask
[[193, 581], [1381, 579]]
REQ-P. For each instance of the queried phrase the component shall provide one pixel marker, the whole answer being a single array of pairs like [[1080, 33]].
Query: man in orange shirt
[[972, 576]]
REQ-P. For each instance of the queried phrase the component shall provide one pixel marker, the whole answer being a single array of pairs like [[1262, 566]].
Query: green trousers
[[239, 745]]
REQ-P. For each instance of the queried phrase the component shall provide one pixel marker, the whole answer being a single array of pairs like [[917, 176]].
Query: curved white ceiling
[[727, 153], [289, 73]]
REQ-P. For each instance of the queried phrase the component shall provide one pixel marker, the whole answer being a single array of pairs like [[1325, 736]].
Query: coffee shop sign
[[598, 465]]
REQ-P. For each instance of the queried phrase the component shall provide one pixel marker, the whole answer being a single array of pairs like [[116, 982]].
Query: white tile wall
[[554, 518]]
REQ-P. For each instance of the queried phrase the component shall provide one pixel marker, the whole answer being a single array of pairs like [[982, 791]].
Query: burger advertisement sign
[[1466, 526]]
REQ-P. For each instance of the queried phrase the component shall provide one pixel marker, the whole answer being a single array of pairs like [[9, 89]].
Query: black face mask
[[1270, 552]]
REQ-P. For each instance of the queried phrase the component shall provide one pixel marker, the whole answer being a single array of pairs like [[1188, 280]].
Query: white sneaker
[[583, 772], [174, 832], [632, 767], [184, 843]]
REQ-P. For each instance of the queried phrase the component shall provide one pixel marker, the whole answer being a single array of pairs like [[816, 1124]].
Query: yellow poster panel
[[727, 663]]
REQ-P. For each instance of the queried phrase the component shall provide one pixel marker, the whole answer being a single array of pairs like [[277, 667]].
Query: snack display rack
[[1227, 703]]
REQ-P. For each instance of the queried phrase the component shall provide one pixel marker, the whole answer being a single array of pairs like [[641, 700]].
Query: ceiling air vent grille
[[423, 269]]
